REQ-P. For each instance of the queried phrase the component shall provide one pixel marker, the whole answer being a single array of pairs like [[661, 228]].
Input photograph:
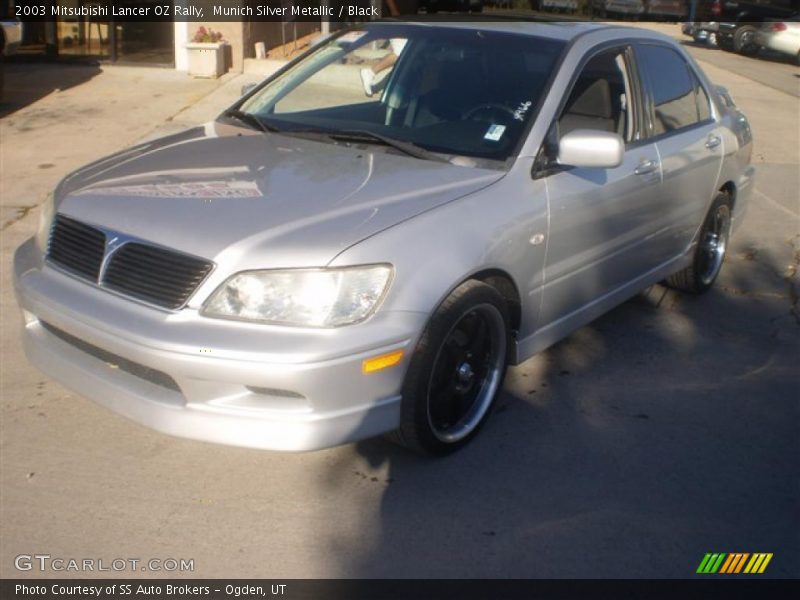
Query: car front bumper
[[229, 382]]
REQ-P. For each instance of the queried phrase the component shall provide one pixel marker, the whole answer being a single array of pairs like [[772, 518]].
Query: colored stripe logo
[[732, 563]]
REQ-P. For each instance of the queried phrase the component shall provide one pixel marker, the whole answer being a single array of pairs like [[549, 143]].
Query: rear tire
[[744, 40], [456, 371], [709, 254]]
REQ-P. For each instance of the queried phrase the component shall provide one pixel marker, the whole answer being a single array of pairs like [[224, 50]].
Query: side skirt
[[546, 336]]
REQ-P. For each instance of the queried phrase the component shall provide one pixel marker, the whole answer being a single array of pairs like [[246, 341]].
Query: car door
[[602, 221], [689, 142]]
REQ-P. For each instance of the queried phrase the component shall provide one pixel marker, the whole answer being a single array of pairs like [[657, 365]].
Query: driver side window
[[601, 98]]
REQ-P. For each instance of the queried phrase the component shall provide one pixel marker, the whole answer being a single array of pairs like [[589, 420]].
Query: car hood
[[260, 200]]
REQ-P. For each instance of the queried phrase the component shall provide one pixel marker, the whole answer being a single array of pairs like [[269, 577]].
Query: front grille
[[153, 274], [156, 275], [76, 247], [153, 376]]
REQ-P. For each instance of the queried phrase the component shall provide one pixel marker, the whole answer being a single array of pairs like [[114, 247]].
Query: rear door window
[[675, 91]]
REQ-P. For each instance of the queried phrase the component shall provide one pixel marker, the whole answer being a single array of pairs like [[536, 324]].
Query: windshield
[[447, 90]]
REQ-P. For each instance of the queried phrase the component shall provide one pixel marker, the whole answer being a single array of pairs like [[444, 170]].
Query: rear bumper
[[762, 39], [207, 379], [778, 43]]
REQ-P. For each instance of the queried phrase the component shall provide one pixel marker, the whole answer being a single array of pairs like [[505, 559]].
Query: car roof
[[557, 30]]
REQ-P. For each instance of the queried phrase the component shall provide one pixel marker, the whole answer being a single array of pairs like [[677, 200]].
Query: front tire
[[456, 371], [710, 251]]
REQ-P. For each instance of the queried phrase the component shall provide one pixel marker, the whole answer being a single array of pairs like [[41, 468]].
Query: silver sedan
[[364, 242]]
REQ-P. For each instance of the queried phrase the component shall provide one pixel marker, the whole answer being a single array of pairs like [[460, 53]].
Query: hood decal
[[205, 190]]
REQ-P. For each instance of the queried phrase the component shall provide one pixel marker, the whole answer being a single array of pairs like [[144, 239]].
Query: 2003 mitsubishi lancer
[[365, 241]]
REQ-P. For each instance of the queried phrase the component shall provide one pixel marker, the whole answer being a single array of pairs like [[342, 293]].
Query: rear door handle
[[645, 167], [713, 141]]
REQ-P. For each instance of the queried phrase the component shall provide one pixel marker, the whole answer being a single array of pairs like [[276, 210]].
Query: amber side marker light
[[384, 361]]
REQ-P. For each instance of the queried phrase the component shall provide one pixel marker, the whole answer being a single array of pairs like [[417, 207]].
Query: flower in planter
[[207, 36]]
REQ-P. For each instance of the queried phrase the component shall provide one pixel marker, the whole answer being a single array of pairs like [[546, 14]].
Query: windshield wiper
[[250, 119], [409, 148], [370, 137]]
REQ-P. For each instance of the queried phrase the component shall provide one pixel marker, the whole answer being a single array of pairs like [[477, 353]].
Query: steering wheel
[[489, 107]]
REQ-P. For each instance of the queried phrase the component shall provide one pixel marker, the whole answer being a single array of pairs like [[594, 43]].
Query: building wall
[[181, 37], [273, 34]]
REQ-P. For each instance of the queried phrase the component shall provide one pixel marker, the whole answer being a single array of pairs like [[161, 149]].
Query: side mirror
[[247, 88], [591, 148]]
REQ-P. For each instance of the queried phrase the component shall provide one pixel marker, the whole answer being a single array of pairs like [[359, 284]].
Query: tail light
[[716, 8], [777, 26]]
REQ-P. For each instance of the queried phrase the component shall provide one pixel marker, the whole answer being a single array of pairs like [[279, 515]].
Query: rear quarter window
[[703, 103]]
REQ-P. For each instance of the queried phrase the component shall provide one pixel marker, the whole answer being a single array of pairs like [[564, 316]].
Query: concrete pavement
[[664, 430], [65, 116]]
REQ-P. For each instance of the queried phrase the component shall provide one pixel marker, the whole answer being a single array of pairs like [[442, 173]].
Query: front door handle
[[713, 141], [645, 167]]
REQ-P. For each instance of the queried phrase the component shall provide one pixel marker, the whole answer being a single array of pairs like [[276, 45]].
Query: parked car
[[625, 9], [645, 9], [734, 24], [319, 265], [666, 10], [781, 36], [554, 5], [702, 32], [434, 6]]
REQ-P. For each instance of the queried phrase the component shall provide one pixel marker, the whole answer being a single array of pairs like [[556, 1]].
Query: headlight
[[307, 298], [45, 223]]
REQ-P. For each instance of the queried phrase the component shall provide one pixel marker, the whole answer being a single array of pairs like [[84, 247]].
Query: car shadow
[[661, 431], [775, 57], [25, 81], [694, 44]]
